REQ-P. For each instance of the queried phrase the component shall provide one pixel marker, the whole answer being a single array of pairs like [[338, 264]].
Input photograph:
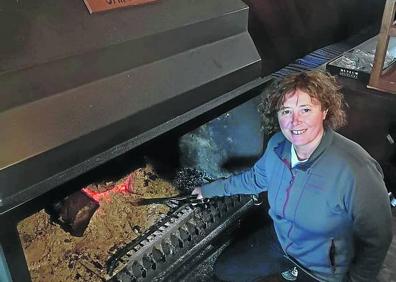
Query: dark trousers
[[252, 258]]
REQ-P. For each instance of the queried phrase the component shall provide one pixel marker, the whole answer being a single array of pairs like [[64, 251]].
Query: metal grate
[[175, 239]]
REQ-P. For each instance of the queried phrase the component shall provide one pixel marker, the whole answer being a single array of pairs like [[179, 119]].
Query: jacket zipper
[[286, 202], [287, 195], [332, 254]]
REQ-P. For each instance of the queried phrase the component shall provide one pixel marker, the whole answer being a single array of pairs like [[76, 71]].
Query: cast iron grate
[[172, 241]]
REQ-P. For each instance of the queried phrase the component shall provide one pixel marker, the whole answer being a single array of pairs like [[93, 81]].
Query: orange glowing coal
[[125, 186]]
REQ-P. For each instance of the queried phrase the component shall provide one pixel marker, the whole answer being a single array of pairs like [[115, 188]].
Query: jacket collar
[[283, 149]]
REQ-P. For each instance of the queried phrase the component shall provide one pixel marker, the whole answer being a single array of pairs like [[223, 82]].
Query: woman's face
[[301, 120]]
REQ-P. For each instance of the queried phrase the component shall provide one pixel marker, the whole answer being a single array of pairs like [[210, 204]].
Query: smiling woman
[[318, 85], [328, 201], [301, 122], [302, 102]]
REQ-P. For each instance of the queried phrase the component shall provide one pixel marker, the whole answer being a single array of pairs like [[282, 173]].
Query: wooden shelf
[[380, 79]]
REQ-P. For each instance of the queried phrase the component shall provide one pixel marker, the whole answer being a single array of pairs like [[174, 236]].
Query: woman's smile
[[298, 132]]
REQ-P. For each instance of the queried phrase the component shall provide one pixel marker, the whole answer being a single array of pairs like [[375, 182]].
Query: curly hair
[[317, 84]]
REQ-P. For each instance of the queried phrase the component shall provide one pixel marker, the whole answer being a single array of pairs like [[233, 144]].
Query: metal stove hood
[[78, 90]]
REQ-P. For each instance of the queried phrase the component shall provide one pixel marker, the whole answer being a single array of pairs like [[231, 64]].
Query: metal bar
[[13, 254]]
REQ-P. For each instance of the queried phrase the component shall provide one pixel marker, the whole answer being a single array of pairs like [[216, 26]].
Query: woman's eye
[[285, 112], [306, 110]]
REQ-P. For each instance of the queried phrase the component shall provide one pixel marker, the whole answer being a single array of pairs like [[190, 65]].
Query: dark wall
[[284, 30]]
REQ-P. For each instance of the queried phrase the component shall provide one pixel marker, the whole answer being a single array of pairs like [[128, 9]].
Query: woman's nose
[[296, 119]]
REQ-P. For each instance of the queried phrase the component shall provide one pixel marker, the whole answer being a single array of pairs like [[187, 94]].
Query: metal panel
[[49, 54]]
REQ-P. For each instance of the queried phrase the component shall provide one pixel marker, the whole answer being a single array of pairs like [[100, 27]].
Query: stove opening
[[118, 226]]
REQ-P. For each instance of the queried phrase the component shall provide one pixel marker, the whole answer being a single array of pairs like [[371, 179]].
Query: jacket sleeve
[[372, 224], [252, 181]]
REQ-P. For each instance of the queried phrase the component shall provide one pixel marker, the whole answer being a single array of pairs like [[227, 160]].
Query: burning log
[[75, 211]]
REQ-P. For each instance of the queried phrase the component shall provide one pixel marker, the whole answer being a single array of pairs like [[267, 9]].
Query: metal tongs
[[192, 199]]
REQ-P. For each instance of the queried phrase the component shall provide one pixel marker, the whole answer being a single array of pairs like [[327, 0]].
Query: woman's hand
[[197, 191]]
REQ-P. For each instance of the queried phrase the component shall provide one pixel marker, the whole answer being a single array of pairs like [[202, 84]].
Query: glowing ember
[[125, 187]]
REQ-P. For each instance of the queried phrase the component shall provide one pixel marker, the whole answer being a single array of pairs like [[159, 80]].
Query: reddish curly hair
[[317, 84]]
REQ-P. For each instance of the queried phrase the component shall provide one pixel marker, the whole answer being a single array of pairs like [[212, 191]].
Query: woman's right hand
[[197, 191]]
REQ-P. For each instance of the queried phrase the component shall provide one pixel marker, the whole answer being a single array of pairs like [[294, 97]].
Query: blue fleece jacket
[[331, 213]]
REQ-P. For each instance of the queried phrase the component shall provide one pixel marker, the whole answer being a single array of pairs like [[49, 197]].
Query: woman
[[328, 202]]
